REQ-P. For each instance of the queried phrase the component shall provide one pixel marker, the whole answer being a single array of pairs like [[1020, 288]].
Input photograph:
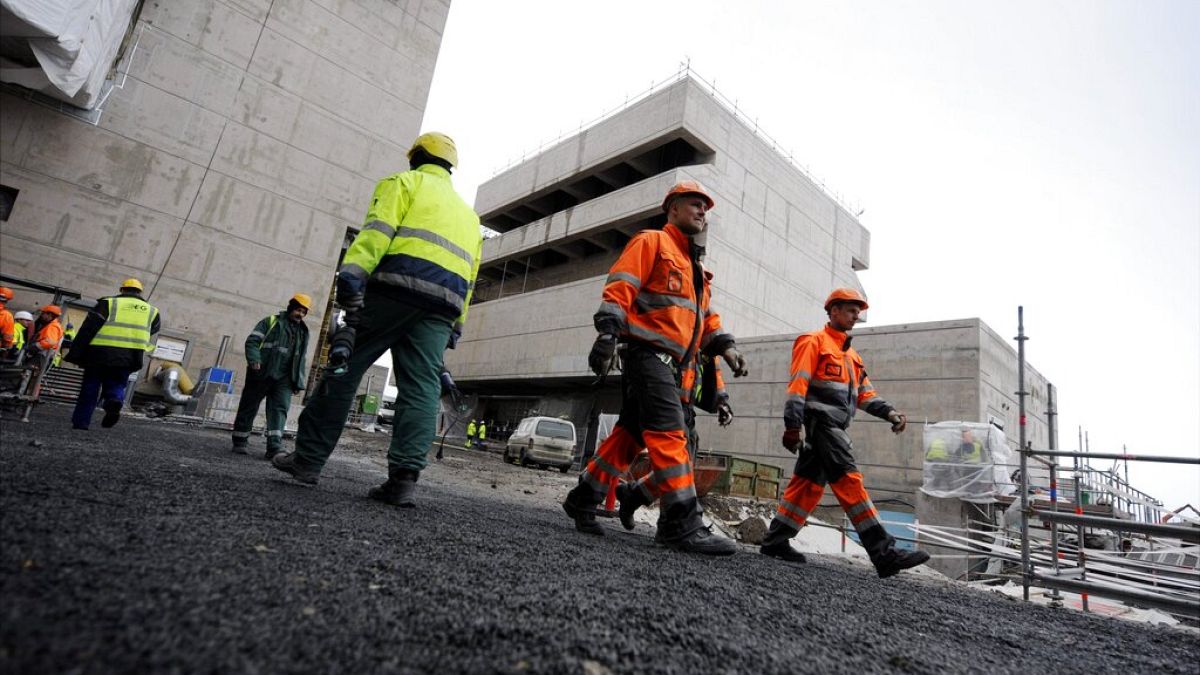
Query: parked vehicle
[[542, 441]]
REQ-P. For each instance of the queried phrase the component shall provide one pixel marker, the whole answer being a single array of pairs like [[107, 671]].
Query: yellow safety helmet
[[132, 283], [303, 300], [437, 144]]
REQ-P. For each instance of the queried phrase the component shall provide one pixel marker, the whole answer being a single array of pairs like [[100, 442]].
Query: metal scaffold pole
[[1026, 565], [1055, 596]]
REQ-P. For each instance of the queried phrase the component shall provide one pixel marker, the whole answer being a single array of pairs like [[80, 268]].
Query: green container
[[769, 472], [368, 404], [743, 467]]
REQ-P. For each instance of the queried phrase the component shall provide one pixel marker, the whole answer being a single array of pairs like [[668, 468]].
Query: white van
[[542, 441]]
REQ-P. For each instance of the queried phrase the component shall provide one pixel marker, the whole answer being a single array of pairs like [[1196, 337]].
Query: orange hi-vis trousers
[[826, 458], [652, 417]]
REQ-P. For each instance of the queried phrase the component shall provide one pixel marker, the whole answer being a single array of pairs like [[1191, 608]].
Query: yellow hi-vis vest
[[19, 336], [128, 324]]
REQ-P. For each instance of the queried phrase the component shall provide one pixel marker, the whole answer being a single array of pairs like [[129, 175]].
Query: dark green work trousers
[[278, 393], [417, 337]]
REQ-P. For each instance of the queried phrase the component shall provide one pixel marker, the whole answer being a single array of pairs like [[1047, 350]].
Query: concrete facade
[[241, 144]]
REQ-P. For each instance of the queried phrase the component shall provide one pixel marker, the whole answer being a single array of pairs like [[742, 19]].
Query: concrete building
[[776, 243], [235, 152]]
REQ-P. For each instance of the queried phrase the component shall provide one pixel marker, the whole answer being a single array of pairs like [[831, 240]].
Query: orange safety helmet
[[687, 187], [6, 293], [845, 295], [53, 309]]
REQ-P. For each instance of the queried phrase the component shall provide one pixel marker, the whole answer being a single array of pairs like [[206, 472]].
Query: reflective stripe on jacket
[[129, 324], [650, 296], [420, 237], [829, 381]]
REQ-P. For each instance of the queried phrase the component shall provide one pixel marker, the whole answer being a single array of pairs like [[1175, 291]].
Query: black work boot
[[112, 413], [286, 463], [775, 543], [580, 506], [268, 455], [682, 528], [888, 559], [398, 489], [631, 499], [239, 448]]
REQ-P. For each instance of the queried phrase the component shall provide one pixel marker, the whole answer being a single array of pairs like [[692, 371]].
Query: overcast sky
[[1006, 153]]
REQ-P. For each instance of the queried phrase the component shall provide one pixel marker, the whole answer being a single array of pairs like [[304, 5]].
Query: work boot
[[897, 560], [286, 462], [398, 489], [112, 413], [888, 559], [703, 541], [238, 448], [631, 499], [269, 454], [581, 507], [783, 551]]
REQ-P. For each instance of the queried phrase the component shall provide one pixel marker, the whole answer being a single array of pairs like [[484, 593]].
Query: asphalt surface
[[151, 548]]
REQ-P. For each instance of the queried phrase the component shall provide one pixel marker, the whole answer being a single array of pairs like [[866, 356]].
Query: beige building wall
[[241, 142]]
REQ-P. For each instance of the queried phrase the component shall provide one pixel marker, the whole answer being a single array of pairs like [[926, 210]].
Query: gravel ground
[[151, 548]]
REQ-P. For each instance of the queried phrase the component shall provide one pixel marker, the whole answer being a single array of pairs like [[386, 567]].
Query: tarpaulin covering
[[62, 48], [966, 460]]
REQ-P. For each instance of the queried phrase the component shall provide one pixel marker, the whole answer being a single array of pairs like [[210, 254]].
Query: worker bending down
[[828, 382]]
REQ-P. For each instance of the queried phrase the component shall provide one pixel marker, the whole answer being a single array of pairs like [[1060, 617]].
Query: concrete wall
[[244, 139]]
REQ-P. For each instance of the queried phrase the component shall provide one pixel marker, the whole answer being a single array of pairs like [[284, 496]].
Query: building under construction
[[221, 152]]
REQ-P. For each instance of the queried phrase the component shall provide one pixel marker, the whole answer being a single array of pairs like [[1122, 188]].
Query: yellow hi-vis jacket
[[421, 237], [128, 325], [19, 335]]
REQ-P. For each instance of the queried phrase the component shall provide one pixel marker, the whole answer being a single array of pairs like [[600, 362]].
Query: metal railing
[[1185, 601]]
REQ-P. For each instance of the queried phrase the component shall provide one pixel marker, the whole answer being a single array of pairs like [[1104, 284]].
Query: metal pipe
[[1080, 556], [1026, 565], [1189, 608], [221, 350], [1112, 455], [1191, 534]]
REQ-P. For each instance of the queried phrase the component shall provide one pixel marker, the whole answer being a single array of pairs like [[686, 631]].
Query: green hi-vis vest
[[128, 324]]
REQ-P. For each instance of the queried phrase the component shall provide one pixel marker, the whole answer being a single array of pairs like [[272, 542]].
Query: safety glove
[[455, 336], [737, 362], [898, 420], [604, 350], [791, 439], [724, 412]]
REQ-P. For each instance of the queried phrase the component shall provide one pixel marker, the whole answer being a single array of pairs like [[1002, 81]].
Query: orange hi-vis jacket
[[650, 297], [49, 337], [829, 381], [7, 330]]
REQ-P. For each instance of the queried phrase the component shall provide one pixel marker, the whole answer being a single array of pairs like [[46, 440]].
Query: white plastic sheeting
[[74, 43], [966, 460]]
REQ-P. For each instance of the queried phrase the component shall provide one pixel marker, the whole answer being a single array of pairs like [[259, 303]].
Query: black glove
[[604, 350], [791, 439], [737, 362], [724, 412], [455, 336]]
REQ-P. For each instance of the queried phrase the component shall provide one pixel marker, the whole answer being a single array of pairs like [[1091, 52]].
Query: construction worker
[[47, 335], [110, 346], [656, 303], [22, 326], [67, 341], [275, 370], [828, 382], [482, 437], [471, 431], [6, 319], [406, 281]]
